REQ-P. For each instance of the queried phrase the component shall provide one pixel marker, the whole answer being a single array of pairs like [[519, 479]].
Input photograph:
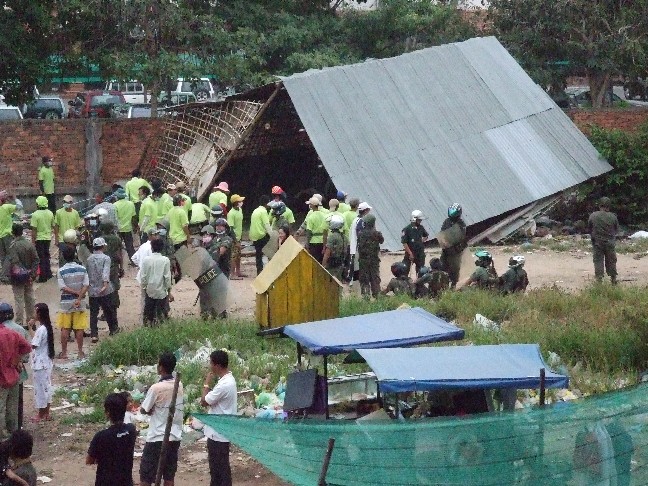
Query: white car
[[133, 91], [202, 88], [10, 113]]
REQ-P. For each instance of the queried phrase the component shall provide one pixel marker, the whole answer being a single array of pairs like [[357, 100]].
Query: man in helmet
[[70, 239], [335, 247], [603, 227], [369, 241], [23, 266], [279, 195], [42, 223], [401, 284], [484, 276], [451, 255], [356, 225], [278, 215], [515, 278], [13, 347], [431, 280], [104, 209], [413, 238], [65, 219], [220, 246]]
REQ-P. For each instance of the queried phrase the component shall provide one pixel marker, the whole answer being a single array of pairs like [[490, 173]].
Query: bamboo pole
[[167, 431], [327, 460]]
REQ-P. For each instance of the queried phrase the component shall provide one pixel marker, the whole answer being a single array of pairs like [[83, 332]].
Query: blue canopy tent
[[461, 367], [401, 327]]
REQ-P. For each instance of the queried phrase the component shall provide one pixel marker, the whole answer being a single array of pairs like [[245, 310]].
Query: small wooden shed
[[293, 287]]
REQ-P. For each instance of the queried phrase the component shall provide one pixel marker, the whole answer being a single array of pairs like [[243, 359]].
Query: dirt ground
[[60, 449]]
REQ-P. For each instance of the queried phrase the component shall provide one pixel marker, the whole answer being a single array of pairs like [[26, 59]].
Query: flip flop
[[236, 278], [61, 356]]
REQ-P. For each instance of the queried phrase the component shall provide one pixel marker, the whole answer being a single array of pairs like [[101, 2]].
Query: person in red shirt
[[12, 347]]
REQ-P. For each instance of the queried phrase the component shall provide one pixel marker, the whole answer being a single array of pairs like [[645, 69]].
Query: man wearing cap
[[235, 221], [100, 289], [219, 195], [42, 222], [6, 220], [46, 182], [147, 213], [316, 229], [178, 223], [343, 207], [260, 230], [126, 220], [413, 238], [66, 218], [279, 195], [603, 227], [187, 206], [132, 189]]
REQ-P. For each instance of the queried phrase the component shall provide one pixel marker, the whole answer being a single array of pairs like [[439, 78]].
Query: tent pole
[[299, 356], [542, 387], [326, 385], [327, 459]]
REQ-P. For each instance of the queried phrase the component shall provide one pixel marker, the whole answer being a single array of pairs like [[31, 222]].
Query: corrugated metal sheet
[[455, 123]]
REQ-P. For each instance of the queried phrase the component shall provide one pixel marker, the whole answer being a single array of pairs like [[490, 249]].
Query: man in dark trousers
[[451, 256], [413, 238], [603, 227]]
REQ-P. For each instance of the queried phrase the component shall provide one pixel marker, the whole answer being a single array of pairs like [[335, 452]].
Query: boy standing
[[112, 449], [157, 404]]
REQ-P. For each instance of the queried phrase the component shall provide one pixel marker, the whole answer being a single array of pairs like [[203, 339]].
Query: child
[[19, 449], [43, 346], [402, 284], [112, 449]]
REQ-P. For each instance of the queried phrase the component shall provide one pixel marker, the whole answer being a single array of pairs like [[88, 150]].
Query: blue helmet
[[341, 195], [454, 211], [6, 312]]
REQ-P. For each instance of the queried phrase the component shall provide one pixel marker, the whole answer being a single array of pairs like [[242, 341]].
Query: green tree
[[594, 38]]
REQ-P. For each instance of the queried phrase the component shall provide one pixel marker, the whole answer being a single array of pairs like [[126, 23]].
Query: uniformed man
[[341, 197], [278, 215], [42, 224], [219, 195], [316, 229], [220, 247], [368, 253], [413, 238], [178, 223], [181, 187], [401, 284], [603, 227], [235, 221], [147, 214], [133, 189], [431, 280], [451, 256], [484, 276], [279, 195], [126, 220], [515, 279], [335, 247], [66, 218], [46, 182]]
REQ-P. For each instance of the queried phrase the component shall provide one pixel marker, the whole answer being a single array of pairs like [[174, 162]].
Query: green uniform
[[514, 280], [147, 214], [412, 236], [369, 241], [400, 286], [336, 243], [603, 227], [289, 215], [216, 198], [133, 186], [65, 220], [258, 222], [483, 278], [125, 211], [6, 220], [42, 221], [432, 284], [278, 221], [349, 216], [187, 203], [451, 256], [344, 208], [316, 225], [200, 213], [177, 221], [222, 241], [164, 205], [235, 221], [46, 176]]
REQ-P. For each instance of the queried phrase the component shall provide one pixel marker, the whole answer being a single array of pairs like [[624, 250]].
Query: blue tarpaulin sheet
[[401, 327], [434, 368]]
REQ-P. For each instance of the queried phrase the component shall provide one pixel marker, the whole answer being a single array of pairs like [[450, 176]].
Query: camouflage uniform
[[432, 284], [514, 280], [224, 260], [336, 243], [369, 240], [603, 228], [451, 256], [484, 277], [400, 286]]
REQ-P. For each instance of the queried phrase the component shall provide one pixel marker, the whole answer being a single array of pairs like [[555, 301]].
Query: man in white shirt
[[157, 404], [155, 276], [138, 257], [221, 400]]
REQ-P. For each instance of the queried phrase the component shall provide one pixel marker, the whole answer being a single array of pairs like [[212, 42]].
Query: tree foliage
[[593, 38]]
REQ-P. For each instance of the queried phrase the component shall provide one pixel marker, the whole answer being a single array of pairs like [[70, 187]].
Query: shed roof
[[460, 123], [401, 327], [434, 368]]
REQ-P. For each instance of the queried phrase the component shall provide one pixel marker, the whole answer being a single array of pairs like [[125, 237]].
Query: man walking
[[46, 182], [155, 276], [23, 266], [101, 289], [126, 220], [221, 400], [42, 222], [603, 227], [73, 283]]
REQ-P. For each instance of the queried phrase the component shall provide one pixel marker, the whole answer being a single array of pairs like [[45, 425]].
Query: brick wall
[[622, 119]]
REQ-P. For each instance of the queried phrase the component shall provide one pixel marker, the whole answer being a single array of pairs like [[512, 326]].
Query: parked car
[[202, 88], [47, 107], [10, 113], [94, 104], [133, 110], [133, 91], [580, 97], [176, 98]]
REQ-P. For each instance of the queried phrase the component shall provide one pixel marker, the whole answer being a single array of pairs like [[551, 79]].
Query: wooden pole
[[167, 431], [326, 385], [327, 461], [542, 387]]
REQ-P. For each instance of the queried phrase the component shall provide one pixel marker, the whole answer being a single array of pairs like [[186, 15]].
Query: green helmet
[[483, 257], [41, 202], [369, 220]]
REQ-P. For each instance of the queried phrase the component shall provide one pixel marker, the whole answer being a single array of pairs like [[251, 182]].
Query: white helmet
[[70, 236], [335, 221], [101, 212], [416, 214], [516, 261]]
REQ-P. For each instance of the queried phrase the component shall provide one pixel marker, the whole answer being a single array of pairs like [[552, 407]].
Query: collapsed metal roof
[[459, 123]]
